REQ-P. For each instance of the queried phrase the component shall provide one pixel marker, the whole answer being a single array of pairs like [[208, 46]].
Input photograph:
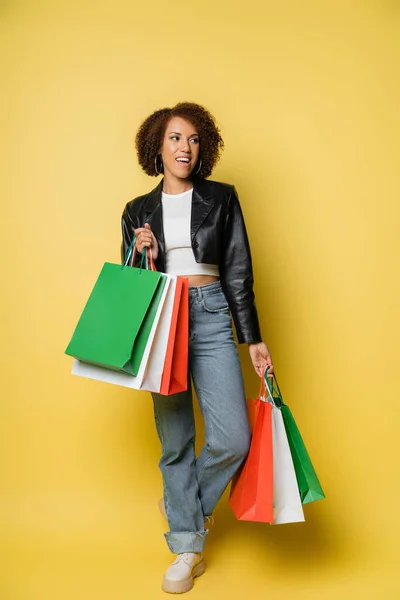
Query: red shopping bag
[[251, 495], [252, 411], [175, 373], [253, 405]]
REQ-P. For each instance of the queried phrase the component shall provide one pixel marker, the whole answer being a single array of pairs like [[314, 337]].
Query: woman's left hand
[[261, 358]]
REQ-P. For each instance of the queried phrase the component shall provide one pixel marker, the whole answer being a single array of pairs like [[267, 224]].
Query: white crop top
[[179, 256]]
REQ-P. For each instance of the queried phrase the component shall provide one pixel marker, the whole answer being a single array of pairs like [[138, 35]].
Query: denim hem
[[186, 541]]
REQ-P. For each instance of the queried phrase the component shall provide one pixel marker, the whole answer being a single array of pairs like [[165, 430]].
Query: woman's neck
[[174, 185]]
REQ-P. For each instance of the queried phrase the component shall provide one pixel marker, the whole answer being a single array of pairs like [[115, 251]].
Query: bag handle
[[277, 398], [261, 393], [145, 261], [150, 260], [263, 396], [129, 251]]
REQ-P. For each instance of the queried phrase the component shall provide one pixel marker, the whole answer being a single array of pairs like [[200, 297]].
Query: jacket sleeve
[[129, 224], [236, 273]]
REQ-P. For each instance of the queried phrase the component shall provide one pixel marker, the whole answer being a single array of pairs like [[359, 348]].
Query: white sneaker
[[178, 578], [161, 505]]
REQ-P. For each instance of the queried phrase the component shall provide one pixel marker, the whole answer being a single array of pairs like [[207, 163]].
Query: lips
[[183, 161]]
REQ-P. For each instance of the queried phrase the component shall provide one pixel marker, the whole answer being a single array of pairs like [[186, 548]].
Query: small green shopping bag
[[309, 486], [115, 324]]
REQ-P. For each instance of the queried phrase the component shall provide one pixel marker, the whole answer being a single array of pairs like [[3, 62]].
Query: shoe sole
[[180, 587]]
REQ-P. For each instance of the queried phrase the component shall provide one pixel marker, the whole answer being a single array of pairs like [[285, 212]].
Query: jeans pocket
[[215, 303]]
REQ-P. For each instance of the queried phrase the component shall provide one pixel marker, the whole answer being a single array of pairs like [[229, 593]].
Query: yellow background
[[307, 97]]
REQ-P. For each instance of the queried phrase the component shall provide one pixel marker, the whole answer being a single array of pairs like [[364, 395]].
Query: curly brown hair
[[151, 133]]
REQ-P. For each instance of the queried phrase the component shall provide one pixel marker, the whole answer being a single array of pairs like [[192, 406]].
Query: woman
[[195, 228]]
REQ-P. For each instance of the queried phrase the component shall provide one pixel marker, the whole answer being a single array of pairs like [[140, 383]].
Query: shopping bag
[[251, 494], [253, 405], [286, 498], [115, 324], [151, 369], [308, 483], [175, 373]]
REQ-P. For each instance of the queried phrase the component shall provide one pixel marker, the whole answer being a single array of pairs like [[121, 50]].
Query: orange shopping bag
[[251, 495], [175, 373]]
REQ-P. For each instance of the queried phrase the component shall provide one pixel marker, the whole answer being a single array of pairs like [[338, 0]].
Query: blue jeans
[[193, 486]]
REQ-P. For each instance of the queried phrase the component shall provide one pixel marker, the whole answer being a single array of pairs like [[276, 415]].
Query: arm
[[237, 280], [144, 237], [237, 273]]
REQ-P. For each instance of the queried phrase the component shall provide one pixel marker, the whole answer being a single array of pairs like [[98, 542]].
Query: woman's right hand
[[145, 238]]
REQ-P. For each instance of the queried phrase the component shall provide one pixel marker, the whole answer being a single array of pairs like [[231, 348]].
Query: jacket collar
[[202, 203]]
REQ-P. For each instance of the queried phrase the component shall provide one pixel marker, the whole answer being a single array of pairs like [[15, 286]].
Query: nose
[[185, 147]]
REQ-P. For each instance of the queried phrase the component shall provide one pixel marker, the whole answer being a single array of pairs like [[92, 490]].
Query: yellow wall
[[307, 96]]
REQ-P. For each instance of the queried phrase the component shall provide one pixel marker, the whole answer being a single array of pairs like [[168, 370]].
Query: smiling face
[[180, 148]]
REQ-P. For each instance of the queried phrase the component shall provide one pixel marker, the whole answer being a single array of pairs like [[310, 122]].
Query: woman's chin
[[179, 174]]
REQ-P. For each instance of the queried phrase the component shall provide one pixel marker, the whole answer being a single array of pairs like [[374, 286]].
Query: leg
[[219, 386], [176, 430]]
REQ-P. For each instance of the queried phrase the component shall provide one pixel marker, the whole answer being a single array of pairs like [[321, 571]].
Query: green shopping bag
[[115, 324], [309, 486]]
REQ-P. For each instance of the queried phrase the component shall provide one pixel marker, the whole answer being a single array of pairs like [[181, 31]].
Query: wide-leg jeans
[[193, 486]]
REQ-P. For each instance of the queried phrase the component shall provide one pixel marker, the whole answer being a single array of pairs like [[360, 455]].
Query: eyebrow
[[178, 133]]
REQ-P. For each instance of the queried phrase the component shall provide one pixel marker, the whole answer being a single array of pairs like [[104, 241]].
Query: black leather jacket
[[218, 235]]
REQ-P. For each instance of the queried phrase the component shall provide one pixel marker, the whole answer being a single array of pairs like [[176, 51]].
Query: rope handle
[[146, 261], [129, 252], [264, 395], [151, 261], [270, 384]]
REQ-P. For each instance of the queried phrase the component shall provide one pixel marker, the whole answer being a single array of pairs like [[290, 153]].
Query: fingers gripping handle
[[268, 391], [146, 260]]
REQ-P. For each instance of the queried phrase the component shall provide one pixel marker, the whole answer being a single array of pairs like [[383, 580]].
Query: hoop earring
[[199, 167], [155, 165]]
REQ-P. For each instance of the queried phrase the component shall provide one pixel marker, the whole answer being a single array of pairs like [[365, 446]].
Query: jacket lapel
[[202, 203]]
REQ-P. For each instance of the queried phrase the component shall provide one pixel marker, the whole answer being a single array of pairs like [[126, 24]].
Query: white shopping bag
[[152, 365], [286, 500], [155, 364]]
